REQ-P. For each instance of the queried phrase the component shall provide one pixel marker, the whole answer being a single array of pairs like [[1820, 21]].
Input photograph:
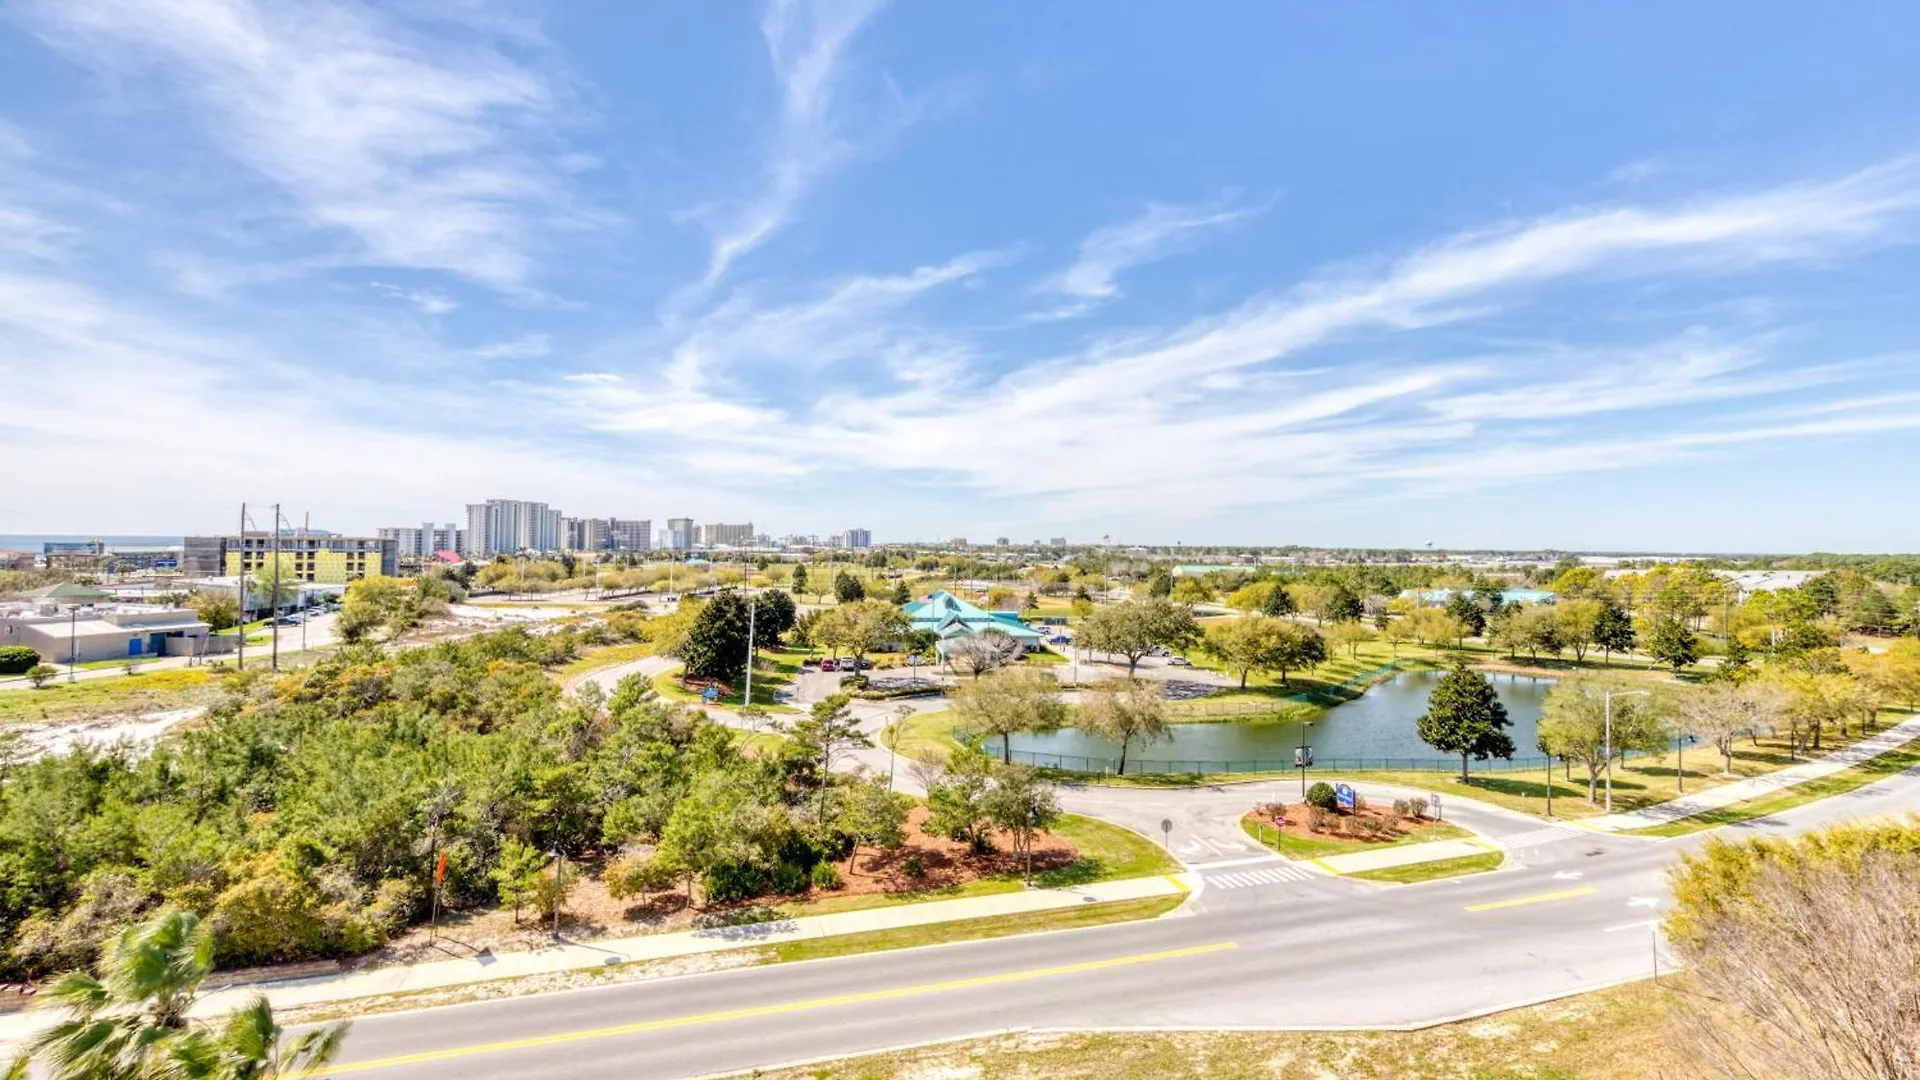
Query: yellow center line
[[859, 998], [1539, 898]]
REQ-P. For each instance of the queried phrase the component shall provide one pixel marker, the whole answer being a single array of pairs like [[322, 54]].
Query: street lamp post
[[73, 649], [559, 886], [1300, 757], [1608, 701]]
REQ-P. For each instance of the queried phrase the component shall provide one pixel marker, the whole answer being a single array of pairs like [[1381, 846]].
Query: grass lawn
[[1433, 871], [926, 731], [1032, 922], [1897, 760], [1312, 847], [1640, 782], [1107, 852], [602, 658], [251, 628], [776, 669], [145, 692], [1617, 1034]]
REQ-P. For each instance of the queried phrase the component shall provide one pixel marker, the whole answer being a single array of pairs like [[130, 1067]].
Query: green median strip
[[1433, 871], [1897, 760], [996, 926]]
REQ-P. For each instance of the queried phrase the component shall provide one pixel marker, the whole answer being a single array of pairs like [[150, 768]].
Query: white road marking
[[1567, 875], [1644, 901], [1643, 924], [1551, 834], [1271, 875]]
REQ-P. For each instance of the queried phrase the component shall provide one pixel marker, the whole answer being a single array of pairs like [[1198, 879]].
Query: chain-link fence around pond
[[1107, 766]]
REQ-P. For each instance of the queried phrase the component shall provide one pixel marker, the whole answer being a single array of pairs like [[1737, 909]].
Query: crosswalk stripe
[[1271, 875]]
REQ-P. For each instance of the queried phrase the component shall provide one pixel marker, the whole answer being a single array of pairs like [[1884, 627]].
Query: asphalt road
[[1281, 948]]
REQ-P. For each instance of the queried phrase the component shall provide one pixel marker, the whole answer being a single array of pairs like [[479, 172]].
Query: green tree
[[1259, 643], [1465, 608], [40, 674], [901, 594], [1135, 628], [1125, 711], [800, 579], [1009, 701], [130, 1021], [1573, 725], [1577, 623], [516, 873], [1022, 805], [1278, 601], [875, 815], [956, 802], [1464, 716], [1612, 629], [825, 735], [716, 644], [774, 614], [1190, 591], [218, 610], [861, 627], [847, 588], [1342, 604], [1671, 642]]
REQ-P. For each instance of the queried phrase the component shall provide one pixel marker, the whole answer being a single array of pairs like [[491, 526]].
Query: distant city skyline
[[1575, 277]]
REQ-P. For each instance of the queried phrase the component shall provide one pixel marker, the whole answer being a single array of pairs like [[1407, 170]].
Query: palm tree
[[130, 1022]]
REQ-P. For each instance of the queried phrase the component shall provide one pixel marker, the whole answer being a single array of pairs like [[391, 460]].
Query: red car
[[826, 665]]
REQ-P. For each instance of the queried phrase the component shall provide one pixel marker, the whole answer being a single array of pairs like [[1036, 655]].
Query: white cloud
[[1220, 412], [806, 40], [1161, 230], [1635, 171], [405, 139], [524, 347], [429, 301]]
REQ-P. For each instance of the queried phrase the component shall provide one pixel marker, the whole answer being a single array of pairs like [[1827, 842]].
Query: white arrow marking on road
[[1567, 875], [1644, 901]]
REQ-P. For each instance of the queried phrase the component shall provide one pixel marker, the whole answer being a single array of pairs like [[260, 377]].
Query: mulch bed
[[1297, 821]]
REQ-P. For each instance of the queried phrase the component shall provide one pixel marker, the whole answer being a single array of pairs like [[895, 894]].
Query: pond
[[1375, 730]]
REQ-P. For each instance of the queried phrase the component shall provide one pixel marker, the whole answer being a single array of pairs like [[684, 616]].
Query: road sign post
[[1343, 796], [1166, 833], [1433, 805]]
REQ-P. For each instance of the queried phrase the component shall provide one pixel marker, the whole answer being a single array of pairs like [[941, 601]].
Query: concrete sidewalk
[[1404, 855], [570, 956], [1755, 787]]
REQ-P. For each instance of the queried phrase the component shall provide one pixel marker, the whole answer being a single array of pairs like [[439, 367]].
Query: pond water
[[1375, 730]]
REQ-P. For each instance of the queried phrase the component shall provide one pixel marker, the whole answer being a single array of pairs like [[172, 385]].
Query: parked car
[[1059, 639], [1180, 661], [828, 665], [854, 665], [1159, 650]]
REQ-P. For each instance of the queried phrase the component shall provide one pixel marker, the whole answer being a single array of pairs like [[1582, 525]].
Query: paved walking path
[[1758, 786], [1404, 855], [571, 956]]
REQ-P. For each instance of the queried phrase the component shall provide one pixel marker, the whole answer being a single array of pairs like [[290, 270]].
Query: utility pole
[[746, 699], [559, 886], [73, 649], [240, 568], [275, 598]]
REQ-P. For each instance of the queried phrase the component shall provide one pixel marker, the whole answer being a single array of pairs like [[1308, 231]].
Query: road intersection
[[1263, 943]]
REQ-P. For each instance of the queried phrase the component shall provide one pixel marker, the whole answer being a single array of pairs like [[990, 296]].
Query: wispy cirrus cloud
[[806, 42], [524, 347], [411, 140], [1163, 229]]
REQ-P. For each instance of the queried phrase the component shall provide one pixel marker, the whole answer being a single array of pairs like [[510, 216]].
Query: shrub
[[790, 877], [729, 882], [1416, 809], [1318, 818], [1273, 811], [825, 876], [1321, 795], [1359, 803], [913, 866], [39, 674], [17, 660], [1391, 822]]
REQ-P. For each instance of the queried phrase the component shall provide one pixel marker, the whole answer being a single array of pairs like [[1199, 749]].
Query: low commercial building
[[76, 634], [947, 617]]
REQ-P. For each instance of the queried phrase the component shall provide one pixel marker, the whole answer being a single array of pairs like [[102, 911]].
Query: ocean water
[[35, 542]]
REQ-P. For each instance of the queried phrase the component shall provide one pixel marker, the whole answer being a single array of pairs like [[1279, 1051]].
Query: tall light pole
[[559, 885], [73, 649], [1608, 702], [1300, 757], [746, 699]]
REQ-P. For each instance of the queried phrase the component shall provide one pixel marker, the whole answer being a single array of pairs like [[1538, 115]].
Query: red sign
[[440, 869]]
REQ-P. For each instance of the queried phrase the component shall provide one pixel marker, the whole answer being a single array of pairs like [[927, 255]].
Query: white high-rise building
[[426, 539], [511, 525], [721, 535], [678, 535], [859, 538]]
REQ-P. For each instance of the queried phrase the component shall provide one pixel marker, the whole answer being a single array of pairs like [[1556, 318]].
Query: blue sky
[[1517, 275]]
